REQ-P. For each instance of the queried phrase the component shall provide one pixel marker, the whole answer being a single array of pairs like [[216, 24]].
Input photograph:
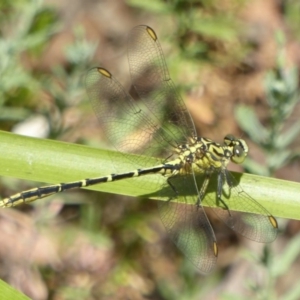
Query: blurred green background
[[235, 63]]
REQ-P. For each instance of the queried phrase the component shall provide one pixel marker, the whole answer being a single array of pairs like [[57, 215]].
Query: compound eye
[[229, 139], [238, 155]]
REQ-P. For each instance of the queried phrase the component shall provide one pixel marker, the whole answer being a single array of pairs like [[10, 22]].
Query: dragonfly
[[158, 125]]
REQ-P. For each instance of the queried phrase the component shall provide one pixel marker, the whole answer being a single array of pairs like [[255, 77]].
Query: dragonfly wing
[[151, 79], [127, 127], [188, 225], [259, 226], [160, 121]]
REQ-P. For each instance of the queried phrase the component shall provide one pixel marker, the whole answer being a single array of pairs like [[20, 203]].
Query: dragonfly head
[[239, 148]]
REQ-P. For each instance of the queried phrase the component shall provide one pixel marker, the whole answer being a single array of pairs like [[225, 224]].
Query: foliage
[[25, 33], [282, 94], [7, 292], [201, 32], [275, 139]]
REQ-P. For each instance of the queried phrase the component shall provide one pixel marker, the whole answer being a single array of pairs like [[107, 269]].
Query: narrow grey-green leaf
[[53, 162]]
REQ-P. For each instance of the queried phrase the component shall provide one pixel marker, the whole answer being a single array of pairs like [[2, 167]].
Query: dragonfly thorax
[[207, 154]]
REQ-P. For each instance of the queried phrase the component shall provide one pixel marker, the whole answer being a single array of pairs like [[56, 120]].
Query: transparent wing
[[160, 120], [188, 226], [260, 226], [127, 127], [151, 80]]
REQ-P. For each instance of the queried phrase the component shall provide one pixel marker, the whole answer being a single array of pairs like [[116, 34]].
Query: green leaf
[[154, 6], [287, 257], [248, 121], [285, 139], [52, 162], [255, 167], [278, 159], [9, 293], [219, 28], [293, 293]]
